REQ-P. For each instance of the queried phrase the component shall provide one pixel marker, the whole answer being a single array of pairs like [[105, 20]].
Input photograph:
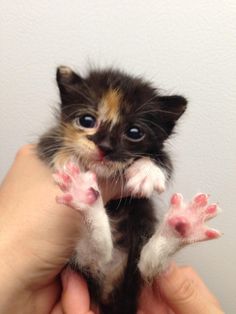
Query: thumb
[[183, 295], [75, 296]]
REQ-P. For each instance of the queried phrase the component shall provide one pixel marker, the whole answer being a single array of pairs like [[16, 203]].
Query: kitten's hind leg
[[182, 225], [81, 192]]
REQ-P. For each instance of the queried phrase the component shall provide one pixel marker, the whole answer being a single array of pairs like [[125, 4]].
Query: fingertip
[[165, 275], [172, 267], [75, 293], [181, 292], [25, 151], [172, 281], [162, 282]]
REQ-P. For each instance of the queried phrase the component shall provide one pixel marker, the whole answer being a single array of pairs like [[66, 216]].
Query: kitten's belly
[[108, 275], [113, 272]]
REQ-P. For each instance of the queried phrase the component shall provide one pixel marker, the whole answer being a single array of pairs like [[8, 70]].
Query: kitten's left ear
[[67, 81], [172, 108]]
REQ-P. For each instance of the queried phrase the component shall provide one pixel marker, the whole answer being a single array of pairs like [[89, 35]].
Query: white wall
[[183, 46]]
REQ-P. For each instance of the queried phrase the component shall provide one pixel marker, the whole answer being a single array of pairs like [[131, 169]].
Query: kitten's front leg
[[144, 177], [182, 225], [81, 192]]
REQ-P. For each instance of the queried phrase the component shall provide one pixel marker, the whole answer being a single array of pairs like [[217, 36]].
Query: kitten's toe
[[62, 179], [81, 189], [187, 220]]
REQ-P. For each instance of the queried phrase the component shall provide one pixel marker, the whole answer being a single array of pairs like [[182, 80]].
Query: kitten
[[113, 125]]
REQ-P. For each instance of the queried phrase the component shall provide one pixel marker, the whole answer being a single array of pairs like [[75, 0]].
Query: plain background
[[186, 47]]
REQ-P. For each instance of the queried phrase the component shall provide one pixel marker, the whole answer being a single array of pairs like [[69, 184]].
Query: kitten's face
[[109, 119]]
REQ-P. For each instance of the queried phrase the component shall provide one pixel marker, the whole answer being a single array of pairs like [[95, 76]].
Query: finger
[[57, 309], [150, 303], [183, 295], [188, 271], [75, 296]]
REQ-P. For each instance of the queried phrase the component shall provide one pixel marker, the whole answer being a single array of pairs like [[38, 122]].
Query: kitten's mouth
[[101, 156], [103, 164], [104, 159]]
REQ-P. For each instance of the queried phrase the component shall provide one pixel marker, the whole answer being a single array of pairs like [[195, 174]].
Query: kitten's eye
[[135, 134], [86, 121]]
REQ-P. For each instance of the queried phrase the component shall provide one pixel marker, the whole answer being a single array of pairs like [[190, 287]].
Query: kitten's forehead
[[110, 106]]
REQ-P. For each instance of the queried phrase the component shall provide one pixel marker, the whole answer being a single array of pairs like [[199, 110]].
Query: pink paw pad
[[62, 179], [176, 199], [180, 224], [65, 199], [80, 188], [72, 168], [91, 195], [187, 220]]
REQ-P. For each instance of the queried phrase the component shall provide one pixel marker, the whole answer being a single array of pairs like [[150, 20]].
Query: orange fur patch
[[78, 137], [109, 106], [74, 140]]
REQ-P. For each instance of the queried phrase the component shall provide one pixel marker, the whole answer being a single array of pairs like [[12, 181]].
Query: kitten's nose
[[105, 147], [102, 142]]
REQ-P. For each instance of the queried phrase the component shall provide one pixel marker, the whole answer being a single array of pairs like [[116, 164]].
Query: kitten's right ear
[[68, 82]]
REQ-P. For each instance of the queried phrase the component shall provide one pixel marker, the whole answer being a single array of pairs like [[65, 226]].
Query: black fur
[[142, 106], [137, 227]]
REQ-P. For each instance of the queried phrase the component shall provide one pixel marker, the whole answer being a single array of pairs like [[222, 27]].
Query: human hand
[[37, 237], [179, 291], [75, 296]]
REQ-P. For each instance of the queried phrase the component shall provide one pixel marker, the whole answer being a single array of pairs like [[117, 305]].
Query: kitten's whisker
[[74, 112], [146, 103], [155, 124], [159, 110], [121, 194]]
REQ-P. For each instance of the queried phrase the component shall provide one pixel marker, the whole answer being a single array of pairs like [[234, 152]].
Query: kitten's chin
[[104, 168], [107, 169]]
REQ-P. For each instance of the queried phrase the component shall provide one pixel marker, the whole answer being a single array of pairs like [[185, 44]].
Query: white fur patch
[[113, 272], [155, 255], [144, 177], [94, 249]]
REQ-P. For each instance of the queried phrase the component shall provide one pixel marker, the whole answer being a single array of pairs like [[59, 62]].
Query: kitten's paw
[[183, 224], [187, 221], [143, 177], [80, 189]]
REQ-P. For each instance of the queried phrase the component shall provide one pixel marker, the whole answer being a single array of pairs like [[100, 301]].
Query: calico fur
[[118, 102]]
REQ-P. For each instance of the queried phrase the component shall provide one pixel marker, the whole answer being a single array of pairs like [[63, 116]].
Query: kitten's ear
[[172, 108], [68, 81]]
